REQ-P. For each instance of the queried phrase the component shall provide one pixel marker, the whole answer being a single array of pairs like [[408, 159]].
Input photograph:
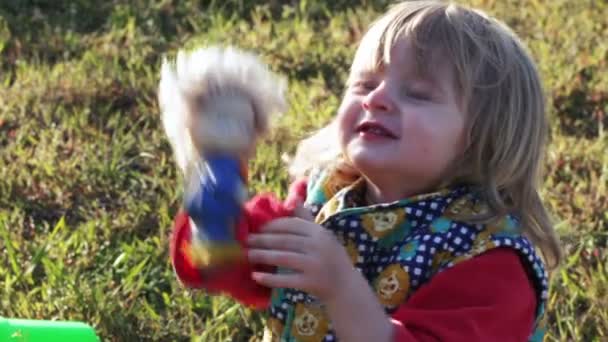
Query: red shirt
[[487, 298]]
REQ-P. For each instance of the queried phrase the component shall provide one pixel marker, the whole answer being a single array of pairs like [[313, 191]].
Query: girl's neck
[[375, 194]]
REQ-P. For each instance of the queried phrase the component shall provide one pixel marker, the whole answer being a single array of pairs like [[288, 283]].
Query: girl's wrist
[[349, 283], [355, 311], [344, 276]]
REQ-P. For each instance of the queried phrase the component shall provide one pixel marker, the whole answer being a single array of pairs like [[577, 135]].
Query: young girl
[[422, 194]]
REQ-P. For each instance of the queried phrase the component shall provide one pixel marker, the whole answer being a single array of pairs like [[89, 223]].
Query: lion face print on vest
[[397, 247]]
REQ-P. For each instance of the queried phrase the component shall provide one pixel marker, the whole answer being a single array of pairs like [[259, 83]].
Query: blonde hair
[[501, 94]]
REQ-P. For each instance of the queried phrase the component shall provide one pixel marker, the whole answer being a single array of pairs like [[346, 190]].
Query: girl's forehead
[[403, 57]]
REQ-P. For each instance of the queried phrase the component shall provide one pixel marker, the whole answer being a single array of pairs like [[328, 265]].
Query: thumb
[[301, 212]]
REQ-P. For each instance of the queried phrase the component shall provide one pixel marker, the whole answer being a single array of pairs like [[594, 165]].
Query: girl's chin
[[369, 162]]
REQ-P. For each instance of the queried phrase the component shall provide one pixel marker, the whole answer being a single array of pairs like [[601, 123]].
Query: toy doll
[[215, 102]]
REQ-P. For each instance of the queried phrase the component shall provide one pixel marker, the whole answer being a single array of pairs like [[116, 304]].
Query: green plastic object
[[29, 330]]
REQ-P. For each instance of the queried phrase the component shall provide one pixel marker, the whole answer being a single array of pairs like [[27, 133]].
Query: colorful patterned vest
[[398, 247]]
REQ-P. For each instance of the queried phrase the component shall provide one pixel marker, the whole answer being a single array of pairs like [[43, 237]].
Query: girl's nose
[[378, 99]]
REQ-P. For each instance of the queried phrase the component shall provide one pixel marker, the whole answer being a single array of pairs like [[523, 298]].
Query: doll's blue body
[[215, 205]]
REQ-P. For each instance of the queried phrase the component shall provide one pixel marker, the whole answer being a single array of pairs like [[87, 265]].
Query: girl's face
[[399, 129]]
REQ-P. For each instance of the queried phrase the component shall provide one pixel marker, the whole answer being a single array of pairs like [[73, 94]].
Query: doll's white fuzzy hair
[[204, 72]]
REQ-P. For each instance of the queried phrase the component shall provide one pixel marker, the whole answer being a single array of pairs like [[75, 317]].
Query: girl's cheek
[[342, 124]]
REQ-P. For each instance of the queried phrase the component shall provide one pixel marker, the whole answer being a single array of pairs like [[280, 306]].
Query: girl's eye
[[370, 85], [367, 85], [417, 95]]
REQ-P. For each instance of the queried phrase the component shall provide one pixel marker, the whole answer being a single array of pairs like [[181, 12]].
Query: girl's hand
[[322, 268], [318, 261]]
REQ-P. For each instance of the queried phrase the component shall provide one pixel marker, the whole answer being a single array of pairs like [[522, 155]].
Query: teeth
[[375, 130]]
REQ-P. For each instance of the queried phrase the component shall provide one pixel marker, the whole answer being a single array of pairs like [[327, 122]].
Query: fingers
[[282, 280], [285, 242], [287, 259], [288, 225]]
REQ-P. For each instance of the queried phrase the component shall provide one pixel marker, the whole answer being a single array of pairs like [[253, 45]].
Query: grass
[[88, 187]]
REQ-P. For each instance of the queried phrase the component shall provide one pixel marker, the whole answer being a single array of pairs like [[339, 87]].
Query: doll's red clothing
[[235, 281]]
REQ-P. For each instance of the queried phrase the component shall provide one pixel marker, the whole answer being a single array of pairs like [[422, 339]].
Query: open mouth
[[376, 129]]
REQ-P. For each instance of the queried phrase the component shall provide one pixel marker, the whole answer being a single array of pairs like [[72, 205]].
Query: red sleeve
[[487, 298], [236, 281]]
